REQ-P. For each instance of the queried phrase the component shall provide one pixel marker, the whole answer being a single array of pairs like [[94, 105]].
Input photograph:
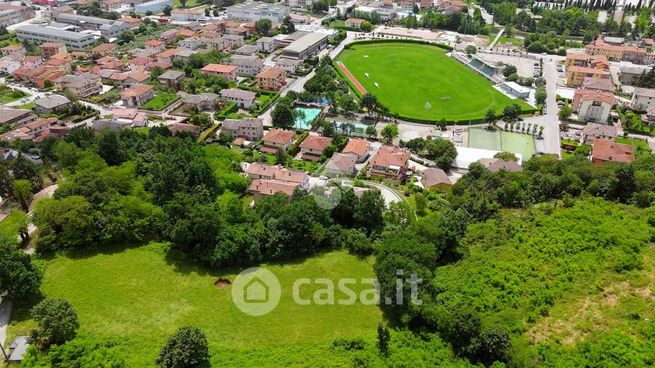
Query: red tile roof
[[279, 136], [219, 68], [391, 156], [357, 146], [315, 142], [605, 150]]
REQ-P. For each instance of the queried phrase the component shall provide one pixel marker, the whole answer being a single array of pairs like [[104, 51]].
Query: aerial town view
[[327, 183]]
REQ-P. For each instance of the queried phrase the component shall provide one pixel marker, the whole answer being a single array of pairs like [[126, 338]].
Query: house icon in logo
[[256, 291]]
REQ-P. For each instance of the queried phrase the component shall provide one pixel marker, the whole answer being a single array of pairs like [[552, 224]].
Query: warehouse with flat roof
[[253, 11], [42, 34], [305, 46]]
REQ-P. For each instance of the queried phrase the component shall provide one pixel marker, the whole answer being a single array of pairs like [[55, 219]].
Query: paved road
[[551, 122], [5, 313]]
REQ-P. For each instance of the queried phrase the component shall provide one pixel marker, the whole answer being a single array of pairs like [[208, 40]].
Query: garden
[[162, 100]]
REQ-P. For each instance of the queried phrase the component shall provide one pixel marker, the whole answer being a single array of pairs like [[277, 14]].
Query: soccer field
[[421, 82]]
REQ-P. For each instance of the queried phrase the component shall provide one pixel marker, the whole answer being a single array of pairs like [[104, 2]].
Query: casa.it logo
[[256, 291]]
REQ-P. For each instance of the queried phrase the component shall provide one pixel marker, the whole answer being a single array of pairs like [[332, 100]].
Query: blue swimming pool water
[[310, 114]]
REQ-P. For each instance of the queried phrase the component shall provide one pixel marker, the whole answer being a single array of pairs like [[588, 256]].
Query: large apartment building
[[620, 52], [42, 34]]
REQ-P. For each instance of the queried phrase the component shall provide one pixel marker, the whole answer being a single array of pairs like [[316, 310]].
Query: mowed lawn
[[410, 75], [137, 297]]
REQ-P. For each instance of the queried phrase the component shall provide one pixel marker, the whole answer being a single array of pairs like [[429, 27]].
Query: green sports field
[[421, 82]]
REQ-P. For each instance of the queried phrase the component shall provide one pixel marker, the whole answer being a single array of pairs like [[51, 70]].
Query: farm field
[[139, 296], [421, 82]]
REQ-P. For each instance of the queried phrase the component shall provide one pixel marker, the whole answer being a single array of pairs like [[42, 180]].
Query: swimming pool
[[305, 122]]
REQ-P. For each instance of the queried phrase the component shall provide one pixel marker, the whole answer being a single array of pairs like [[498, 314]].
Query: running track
[[352, 78]]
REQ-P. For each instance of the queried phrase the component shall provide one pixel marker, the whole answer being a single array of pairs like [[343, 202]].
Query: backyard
[[161, 101], [138, 296], [8, 94], [421, 82]]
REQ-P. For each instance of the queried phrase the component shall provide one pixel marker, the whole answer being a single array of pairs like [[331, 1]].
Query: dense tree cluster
[[442, 151]]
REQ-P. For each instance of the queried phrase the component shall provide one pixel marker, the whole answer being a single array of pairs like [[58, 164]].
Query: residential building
[[649, 116], [593, 105], [496, 164], [341, 164], [154, 6], [16, 117], [247, 50], [597, 84], [177, 128], [276, 140], [643, 98], [38, 127], [228, 72], [289, 65], [51, 104], [436, 180], [104, 49], [607, 151], [129, 116], [354, 23], [251, 129], [166, 56], [8, 67], [266, 44], [73, 40], [629, 72], [271, 79], [621, 52], [155, 44], [12, 14], [270, 180], [187, 15], [231, 41], [390, 162], [49, 49], [357, 147], [137, 95], [261, 171], [82, 85], [575, 75], [13, 50], [306, 46], [300, 4], [252, 11], [172, 78], [247, 66], [312, 147], [108, 28], [593, 131], [243, 99], [202, 102], [586, 60]]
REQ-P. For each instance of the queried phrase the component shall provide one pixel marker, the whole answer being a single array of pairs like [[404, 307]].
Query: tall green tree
[[57, 321], [187, 348], [19, 279], [22, 191]]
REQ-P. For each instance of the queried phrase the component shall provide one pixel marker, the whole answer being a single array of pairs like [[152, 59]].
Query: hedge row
[[382, 40]]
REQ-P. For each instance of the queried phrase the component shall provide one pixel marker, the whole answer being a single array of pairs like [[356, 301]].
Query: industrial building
[[41, 34], [154, 6], [107, 27], [252, 11], [305, 46]]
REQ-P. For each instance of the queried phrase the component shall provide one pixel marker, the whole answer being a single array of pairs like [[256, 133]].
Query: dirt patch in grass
[[222, 283]]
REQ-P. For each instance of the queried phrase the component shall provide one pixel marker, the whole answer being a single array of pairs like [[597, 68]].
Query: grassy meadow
[[139, 296]]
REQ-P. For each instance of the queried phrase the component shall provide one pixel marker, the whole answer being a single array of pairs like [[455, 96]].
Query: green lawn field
[[138, 296], [410, 75]]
